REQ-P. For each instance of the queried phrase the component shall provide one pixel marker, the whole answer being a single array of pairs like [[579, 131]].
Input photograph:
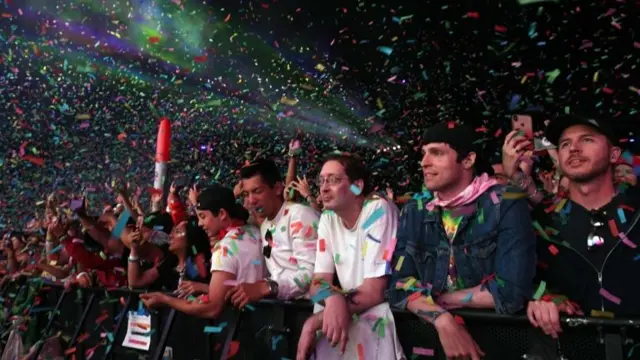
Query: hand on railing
[[307, 339], [546, 315], [188, 288], [153, 300], [456, 341]]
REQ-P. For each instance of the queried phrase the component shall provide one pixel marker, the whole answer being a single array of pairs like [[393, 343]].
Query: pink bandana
[[478, 186]]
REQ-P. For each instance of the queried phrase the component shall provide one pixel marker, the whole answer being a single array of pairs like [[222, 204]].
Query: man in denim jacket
[[471, 244]]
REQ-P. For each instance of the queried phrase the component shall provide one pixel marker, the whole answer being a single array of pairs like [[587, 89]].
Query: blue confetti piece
[[57, 249], [467, 298], [120, 225], [274, 342], [212, 329], [514, 102], [250, 307], [320, 296], [355, 189], [385, 50], [215, 329], [256, 262], [375, 216], [158, 228], [637, 257], [623, 219]]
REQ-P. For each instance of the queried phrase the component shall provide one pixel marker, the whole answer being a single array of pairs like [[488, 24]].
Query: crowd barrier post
[[52, 317], [81, 322], [118, 329], [613, 346], [232, 332], [159, 351]]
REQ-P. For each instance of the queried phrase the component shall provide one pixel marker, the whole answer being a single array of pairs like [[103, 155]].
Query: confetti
[[607, 295], [423, 351], [399, 264], [377, 214], [540, 291]]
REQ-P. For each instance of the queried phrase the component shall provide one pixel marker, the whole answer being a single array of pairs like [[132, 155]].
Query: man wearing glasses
[[587, 247], [355, 242]]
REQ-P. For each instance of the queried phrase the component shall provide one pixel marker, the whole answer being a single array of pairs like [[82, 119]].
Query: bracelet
[[431, 316], [133, 259]]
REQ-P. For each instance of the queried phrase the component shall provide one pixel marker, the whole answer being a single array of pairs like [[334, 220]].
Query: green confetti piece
[[193, 248], [481, 216], [336, 259], [541, 288]]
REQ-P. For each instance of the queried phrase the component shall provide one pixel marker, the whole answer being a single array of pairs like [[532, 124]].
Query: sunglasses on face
[[266, 250], [597, 221]]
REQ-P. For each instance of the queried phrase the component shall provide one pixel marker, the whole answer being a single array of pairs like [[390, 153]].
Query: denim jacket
[[494, 245]]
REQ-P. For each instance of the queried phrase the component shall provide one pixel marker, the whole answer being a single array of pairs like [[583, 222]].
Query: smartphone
[[76, 204], [529, 126]]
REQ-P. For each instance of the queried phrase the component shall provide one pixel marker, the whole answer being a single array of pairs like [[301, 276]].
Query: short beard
[[597, 172]]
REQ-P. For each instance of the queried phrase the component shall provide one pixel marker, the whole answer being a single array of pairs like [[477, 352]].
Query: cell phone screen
[[524, 124]]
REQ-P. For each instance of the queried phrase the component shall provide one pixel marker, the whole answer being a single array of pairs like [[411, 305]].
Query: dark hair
[[266, 168], [197, 238], [355, 169], [216, 197]]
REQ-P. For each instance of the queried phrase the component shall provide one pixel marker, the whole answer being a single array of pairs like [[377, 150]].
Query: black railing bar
[[47, 328], [83, 319], [116, 332], [466, 313], [159, 351]]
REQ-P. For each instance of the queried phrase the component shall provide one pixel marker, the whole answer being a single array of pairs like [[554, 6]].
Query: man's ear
[[279, 188], [469, 161], [615, 154], [360, 184]]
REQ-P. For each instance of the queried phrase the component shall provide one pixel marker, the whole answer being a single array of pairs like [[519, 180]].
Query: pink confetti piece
[[609, 296], [494, 197], [293, 260], [423, 351], [230, 283], [626, 241]]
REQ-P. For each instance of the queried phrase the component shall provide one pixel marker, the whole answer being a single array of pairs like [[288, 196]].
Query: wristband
[[431, 316], [133, 259]]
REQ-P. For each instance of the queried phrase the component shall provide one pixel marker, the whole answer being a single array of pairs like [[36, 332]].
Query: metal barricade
[[272, 328]]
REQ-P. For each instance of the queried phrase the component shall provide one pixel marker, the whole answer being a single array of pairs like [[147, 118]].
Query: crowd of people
[[549, 229]]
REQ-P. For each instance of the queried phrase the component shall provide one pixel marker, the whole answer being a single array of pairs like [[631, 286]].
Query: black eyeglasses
[[266, 250], [594, 240]]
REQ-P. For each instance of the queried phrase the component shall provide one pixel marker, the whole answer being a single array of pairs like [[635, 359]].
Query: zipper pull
[[600, 278]]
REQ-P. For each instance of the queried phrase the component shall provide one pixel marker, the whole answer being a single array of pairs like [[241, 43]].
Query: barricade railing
[[271, 330]]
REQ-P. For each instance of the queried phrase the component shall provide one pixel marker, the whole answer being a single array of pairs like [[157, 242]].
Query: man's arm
[[403, 263], [515, 264], [211, 309], [479, 299], [304, 237]]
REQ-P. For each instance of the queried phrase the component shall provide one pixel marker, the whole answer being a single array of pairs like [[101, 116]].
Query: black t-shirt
[[583, 273]]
